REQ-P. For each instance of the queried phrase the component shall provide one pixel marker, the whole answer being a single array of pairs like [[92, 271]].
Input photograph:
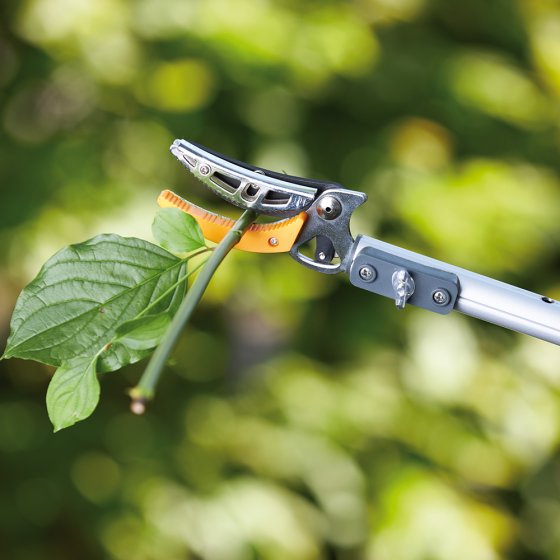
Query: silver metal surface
[[367, 273], [486, 298], [403, 287], [336, 230], [329, 208], [441, 297], [241, 186]]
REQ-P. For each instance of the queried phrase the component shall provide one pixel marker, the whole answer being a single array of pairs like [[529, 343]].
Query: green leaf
[[177, 231], [144, 333], [119, 353], [84, 292], [73, 392]]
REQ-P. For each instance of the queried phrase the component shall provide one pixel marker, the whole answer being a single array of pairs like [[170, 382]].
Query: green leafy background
[[300, 418]]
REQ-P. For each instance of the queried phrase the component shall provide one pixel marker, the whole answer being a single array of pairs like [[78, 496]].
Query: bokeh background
[[300, 418]]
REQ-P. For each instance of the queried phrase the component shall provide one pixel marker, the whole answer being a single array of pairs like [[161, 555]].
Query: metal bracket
[[328, 222], [433, 289]]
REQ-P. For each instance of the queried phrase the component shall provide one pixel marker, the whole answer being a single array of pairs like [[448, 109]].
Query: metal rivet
[[204, 169], [367, 273], [322, 256], [273, 242], [441, 297]]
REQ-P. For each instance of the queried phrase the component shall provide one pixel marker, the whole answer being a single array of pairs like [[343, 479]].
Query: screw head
[[204, 169], [367, 273], [322, 256], [273, 241], [329, 207], [441, 297]]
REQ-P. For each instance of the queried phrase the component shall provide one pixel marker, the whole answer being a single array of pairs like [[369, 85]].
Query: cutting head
[[320, 211], [247, 186]]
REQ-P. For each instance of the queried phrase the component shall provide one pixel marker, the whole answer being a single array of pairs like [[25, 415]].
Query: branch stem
[[145, 389]]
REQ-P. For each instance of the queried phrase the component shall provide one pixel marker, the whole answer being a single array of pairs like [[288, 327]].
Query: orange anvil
[[276, 237]]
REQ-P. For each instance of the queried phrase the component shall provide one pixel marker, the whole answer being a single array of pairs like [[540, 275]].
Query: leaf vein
[[95, 308]]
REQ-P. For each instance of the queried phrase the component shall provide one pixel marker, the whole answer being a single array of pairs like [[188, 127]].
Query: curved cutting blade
[[264, 191]]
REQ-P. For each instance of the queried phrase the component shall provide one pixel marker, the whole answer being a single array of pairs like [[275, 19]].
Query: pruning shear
[[310, 211]]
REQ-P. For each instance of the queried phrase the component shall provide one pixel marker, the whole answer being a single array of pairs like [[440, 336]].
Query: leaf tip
[[58, 426]]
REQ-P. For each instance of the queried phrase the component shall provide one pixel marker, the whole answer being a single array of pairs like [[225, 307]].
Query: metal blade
[[246, 186]]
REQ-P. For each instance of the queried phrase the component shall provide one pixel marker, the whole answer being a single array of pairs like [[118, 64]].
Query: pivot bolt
[[441, 297], [273, 241], [204, 169], [329, 207], [367, 273]]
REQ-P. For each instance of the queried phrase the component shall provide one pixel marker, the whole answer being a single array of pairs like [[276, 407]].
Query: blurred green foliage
[[301, 418]]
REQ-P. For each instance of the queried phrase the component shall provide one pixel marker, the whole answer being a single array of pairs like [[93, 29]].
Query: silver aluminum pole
[[488, 299]]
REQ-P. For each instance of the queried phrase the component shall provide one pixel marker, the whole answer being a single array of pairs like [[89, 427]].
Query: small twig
[[144, 391], [164, 294]]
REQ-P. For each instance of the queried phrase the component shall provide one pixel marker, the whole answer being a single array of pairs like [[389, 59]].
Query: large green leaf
[[122, 351], [84, 292], [177, 231], [144, 333], [73, 392]]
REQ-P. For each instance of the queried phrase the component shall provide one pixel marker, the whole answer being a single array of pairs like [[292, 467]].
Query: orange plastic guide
[[276, 237]]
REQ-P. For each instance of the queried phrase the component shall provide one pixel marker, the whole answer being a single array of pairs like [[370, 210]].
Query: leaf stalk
[[145, 389]]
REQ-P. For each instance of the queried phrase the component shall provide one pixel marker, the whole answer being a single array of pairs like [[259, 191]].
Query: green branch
[[145, 389]]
